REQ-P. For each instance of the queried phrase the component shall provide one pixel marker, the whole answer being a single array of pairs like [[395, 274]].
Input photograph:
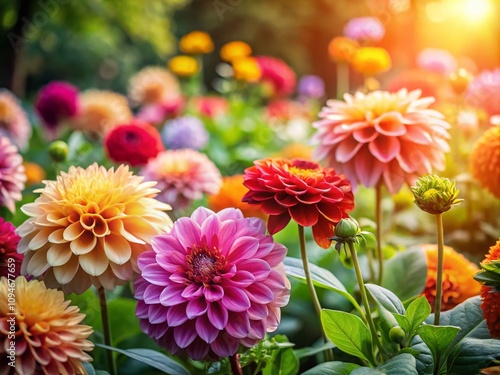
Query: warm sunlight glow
[[476, 10]]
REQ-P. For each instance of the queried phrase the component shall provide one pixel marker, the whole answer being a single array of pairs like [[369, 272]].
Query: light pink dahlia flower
[[14, 123], [382, 137], [12, 176], [215, 282], [183, 175]]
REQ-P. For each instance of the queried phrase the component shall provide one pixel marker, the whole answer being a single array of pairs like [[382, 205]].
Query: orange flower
[[196, 42], [458, 284], [246, 69], [183, 66], [230, 195], [485, 160], [49, 338], [34, 173], [341, 49], [371, 60], [235, 50], [89, 227], [153, 85]]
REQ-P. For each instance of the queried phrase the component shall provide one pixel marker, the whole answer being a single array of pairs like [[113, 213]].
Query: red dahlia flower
[[134, 143], [301, 190]]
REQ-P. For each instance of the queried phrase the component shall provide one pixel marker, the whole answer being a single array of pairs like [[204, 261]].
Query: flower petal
[[217, 314]]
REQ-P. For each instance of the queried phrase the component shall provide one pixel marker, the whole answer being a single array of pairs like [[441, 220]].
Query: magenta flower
[[9, 257], [12, 176], [278, 75], [214, 282], [363, 29]]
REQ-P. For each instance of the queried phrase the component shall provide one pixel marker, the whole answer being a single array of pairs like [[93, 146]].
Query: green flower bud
[[434, 194], [58, 151], [347, 228], [397, 334]]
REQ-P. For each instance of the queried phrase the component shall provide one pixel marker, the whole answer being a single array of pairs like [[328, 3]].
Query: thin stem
[[234, 361], [364, 297], [342, 79], [107, 330], [314, 296], [378, 231], [439, 281]]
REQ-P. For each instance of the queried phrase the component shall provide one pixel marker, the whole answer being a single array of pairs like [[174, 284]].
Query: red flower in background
[[134, 143], [278, 74], [301, 190], [8, 249], [56, 102]]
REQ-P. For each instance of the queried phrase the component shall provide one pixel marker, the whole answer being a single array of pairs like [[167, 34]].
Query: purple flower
[[484, 92], [437, 61], [185, 132], [12, 176], [56, 102], [214, 282], [311, 86], [363, 29], [8, 250]]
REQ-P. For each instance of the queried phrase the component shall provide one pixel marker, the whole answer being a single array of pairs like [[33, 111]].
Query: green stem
[[342, 79], [107, 330], [234, 361], [378, 231], [439, 281], [364, 297], [314, 296]]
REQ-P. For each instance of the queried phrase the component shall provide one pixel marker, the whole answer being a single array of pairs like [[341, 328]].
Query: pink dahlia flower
[[12, 176], [437, 60], [183, 175], [382, 137], [278, 74], [214, 282], [484, 92], [56, 102], [14, 123], [10, 259]]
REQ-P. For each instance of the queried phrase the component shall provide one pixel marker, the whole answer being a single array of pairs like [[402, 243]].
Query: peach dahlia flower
[[89, 227], [382, 137]]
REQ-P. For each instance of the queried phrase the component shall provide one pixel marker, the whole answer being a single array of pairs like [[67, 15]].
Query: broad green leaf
[[123, 322], [310, 351], [417, 312], [332, 368], [473, 355], [386, 298], [438, 339], [348, 333], [425, 363], [283, 362], [402, 364], [405, 273], [152, 358], [403, 322]]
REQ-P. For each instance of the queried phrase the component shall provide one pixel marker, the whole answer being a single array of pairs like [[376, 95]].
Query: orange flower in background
[[231, 194], [34, 173], [297, 151], [89, 227], [153, 85], [458, 284], [301, 190], [49, 338], [485, 160], [235, 50], [183, 66], [246, 69], [371, 60], [100, 111], [196, 42], [341, 49]]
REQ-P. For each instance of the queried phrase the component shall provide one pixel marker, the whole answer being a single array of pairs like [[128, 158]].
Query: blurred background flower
[[485, 160], [437, 61], [9, 257], [183, 66], [370, 61], [311, 87], [484, 92], [12, 176], [364, 29], [14, 123], [153, 85], [196, 42], [185, 132], [277, 75], [235, 50], [341, 49], [246, 69]]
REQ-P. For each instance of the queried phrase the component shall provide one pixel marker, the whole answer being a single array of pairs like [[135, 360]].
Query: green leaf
[[332, 368], [310, 351], [152, 358], [425, 364], [402, 364], [89, 368], [88, 303], [417, 312], [406, 273], [386, 298], [283, 362], [473, 355], [348, 333], [123, 322], [438, 339]]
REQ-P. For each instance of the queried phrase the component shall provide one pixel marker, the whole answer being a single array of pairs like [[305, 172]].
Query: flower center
[[303, 173], [204, 264], [131, 138]]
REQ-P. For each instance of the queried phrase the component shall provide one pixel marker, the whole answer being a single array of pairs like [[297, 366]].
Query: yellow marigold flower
[[371, 60], [235, 50], [230, 195], [458, 282], [485, 160], [34, 173], [246, 69], [341, 49], [49, 338], [196, 42], [153, 85], [89, 227], [101, 111], [183, 66]]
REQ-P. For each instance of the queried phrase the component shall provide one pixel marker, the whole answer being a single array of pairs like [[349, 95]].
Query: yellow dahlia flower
[[101, 111], [89, 227], [485, 160], [44, 335]]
